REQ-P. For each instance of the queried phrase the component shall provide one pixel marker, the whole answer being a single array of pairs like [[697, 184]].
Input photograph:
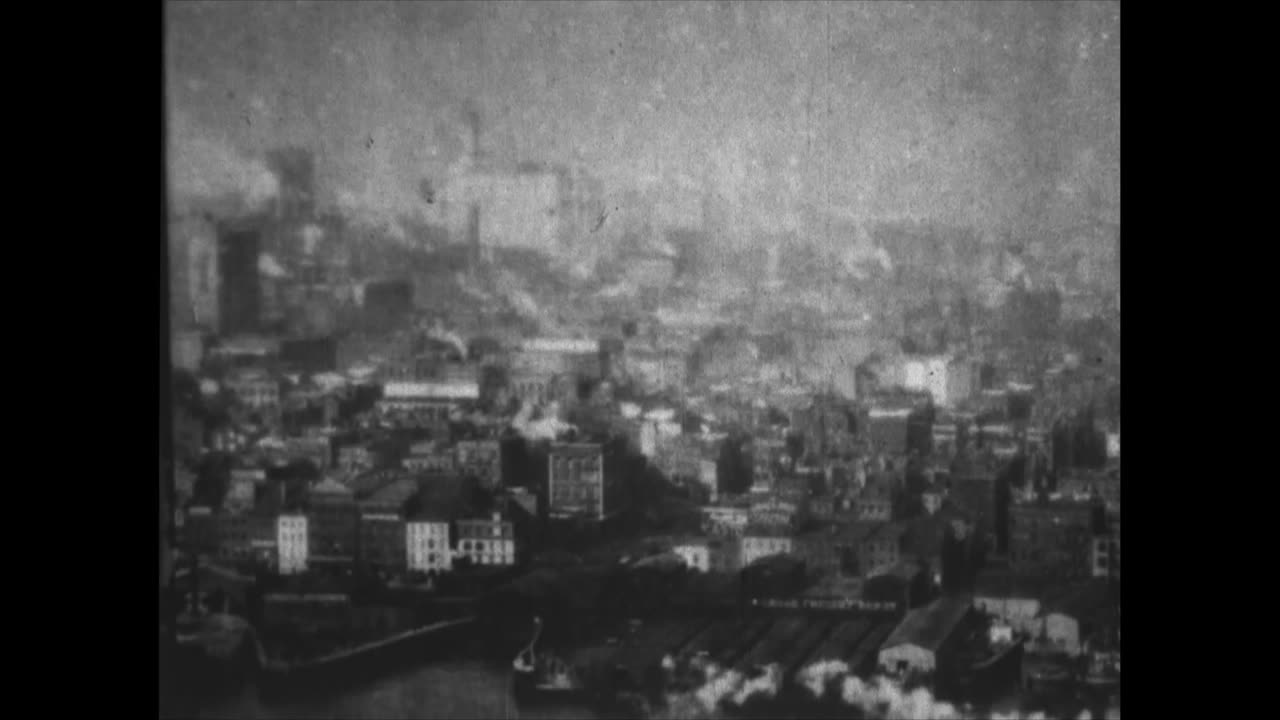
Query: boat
[[545, 677], [991, 663]]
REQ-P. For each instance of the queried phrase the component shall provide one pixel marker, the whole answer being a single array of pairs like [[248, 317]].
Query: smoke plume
[[203, 167]]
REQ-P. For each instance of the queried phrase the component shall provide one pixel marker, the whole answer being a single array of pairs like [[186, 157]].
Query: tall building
[[239, 290], [193, 272], [294, 167]]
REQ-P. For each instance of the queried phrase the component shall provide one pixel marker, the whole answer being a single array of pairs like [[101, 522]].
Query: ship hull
[[529, 690]]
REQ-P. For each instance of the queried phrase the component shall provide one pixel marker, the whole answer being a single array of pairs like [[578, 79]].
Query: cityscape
[[660, 360]]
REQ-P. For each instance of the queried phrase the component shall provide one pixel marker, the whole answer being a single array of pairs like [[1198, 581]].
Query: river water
[[458, 689]]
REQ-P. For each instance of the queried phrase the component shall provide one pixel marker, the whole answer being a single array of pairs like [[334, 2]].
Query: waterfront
[[458, 688], [444, 689]]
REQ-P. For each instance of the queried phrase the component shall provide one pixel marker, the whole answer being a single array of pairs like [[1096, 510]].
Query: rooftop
[[930, 626], [459, 390], [393, 494], [561, 345]]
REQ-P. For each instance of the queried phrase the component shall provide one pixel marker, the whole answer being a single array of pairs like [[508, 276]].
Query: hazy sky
[[996, 113]]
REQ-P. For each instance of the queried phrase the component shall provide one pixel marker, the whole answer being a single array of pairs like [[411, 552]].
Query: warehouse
[[920, 644]]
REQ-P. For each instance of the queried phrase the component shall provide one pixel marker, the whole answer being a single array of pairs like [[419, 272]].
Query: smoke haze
[[990, 114]]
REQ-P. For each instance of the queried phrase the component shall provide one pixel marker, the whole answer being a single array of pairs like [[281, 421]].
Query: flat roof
[[399, 390]]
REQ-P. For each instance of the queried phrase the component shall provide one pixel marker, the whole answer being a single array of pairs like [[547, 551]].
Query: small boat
[[545, 677]]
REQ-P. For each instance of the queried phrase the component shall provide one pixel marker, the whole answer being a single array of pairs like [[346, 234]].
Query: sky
[[1001, 115]]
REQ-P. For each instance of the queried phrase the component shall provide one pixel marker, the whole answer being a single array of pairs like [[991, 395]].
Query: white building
[[291, 543], [709, 554], [1113, 445], [696, 554], [429, 549], [726, 519], [756, 546], [949, 380], [436, 400]]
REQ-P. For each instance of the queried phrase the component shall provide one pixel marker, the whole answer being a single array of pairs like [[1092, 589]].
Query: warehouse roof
[[930, 626]]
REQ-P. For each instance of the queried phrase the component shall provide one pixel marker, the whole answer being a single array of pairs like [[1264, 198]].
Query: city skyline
[[1009, 121]]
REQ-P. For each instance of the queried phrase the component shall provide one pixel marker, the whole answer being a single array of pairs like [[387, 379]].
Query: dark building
[[1051, 537], [975, 496], [294, 167], [577, 484], [310, 355], [239, 291], [333, 524], [387, 305]]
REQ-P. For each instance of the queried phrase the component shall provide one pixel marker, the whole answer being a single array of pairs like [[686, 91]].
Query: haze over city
[[1002, 116], [648, 359]]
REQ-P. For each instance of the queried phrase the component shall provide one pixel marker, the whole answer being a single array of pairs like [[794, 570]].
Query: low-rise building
[[487, 541], [428, 402], [255, 390], [1075, 613], [932, 498], [481, 459], [726, 519], [1048, 536], [923, 640], [1106, 555], [762, 542], [709, 554], [774, 512], [437, 460], [247, 536], [1011, 598], [875, 502]]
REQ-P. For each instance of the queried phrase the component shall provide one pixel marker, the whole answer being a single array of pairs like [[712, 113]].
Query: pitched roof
[[930, 626]]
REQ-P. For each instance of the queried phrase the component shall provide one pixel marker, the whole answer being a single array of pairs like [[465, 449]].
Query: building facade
[[481, 459], [760, 543], [576, 483], [383, 547], [430, 403], [725, 520], [1051, 537], [487, 541], [428, 547], [291, 543], [333, 523]]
